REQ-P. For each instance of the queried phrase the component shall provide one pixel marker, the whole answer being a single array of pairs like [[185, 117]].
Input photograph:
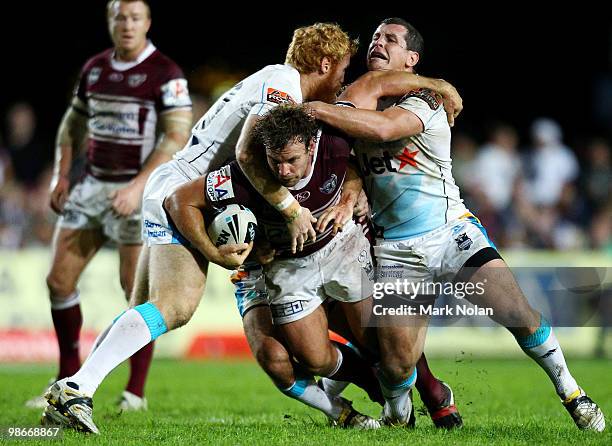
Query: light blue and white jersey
[[409, 181]]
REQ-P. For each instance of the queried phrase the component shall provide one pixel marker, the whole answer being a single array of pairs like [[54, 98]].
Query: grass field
[[502, 402]]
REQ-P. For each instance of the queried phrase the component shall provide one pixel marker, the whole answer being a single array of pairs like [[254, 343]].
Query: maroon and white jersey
[[318, 191], [122, 101]]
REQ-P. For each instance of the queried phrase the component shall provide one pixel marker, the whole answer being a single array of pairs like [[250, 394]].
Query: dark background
[[509, 63]]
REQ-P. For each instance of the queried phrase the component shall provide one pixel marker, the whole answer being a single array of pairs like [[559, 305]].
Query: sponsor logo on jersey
[[136, 80], [376, 164], [115, 77], [154, 230], [130, 230], [391, 272], [94, 75], [302, 196], [330, 185], [381, 164], [279, 97], [219, 185], [406, 158], [463, 242], [175, 93], [433, 100], [71, 216], [457, 229]]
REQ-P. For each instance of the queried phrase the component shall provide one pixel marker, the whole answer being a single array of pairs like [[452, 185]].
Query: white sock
[[333, 387], [126, 336], [550, 357], [307, 392], [339, 359], [397, 396], [99, 340]]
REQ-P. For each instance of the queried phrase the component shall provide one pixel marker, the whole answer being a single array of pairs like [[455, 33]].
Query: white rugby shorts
[[156, 228], [88, 207], [341, 270], [435, 256]]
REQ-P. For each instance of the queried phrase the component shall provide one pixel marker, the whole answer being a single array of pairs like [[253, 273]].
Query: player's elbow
[[172, 204], [244, 155], [179, 137], [384, 131]]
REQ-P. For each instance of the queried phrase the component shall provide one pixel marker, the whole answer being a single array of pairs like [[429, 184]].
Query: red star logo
[[407, 157]]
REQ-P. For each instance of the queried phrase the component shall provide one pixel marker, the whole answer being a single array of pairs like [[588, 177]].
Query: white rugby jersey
[[214, 137], [409, 181]]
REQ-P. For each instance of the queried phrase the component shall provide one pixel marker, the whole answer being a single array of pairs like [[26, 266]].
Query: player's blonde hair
[[109, 6], [310, 44]]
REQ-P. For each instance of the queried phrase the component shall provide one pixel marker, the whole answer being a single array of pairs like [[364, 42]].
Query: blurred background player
[[132, 106]]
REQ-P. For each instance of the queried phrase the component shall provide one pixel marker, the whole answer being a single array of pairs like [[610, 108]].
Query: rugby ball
[[232, 224]]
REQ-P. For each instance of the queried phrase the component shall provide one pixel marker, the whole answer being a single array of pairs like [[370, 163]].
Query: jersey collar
[[124, 66]]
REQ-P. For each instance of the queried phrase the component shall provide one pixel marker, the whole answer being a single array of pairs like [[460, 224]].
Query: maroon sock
[[429, 387], [359, 372], [67, 323], [139, 369]]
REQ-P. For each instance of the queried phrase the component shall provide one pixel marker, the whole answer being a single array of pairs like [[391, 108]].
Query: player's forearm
[[358, 123], [155, 159], [351, 188], [252, 161], [175, 129], [186, 214], [175, 135], [365, 91], [369, 88], [70, 136]]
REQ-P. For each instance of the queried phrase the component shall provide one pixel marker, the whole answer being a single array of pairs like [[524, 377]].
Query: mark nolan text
[[429, 310]]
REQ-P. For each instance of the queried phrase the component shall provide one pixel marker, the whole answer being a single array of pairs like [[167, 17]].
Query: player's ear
[[326, 64], [412, 58], [311, 145]]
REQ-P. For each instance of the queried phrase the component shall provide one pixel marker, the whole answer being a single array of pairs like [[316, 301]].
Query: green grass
[[502, 402]]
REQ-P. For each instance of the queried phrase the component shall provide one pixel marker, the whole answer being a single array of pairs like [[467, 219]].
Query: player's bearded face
[[387, 50], [290, 164], [333, 81], [128, 25]]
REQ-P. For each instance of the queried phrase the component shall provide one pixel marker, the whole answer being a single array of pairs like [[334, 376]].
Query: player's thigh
[[266, 345], [128, 262], [177, 277], [73, 249], [140, 290], [308, 340], [503, 294]]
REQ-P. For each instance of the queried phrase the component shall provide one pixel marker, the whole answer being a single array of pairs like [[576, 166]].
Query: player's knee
[[177, 315], [399, 367], [127, 284], [59, 287], [320, 363], [519, 317], [274, 359]]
